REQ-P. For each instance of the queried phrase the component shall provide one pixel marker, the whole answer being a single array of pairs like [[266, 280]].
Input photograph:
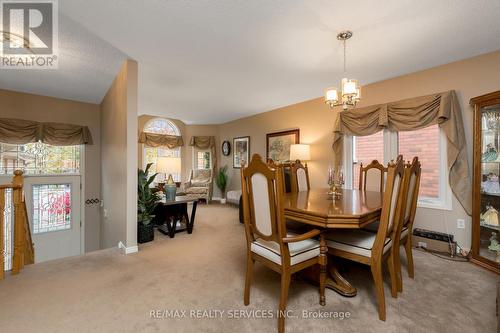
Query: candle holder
[[335, 183]]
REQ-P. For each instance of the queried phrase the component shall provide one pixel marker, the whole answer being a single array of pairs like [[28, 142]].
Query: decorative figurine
[[494, 245], [490, 154], [490, 216]]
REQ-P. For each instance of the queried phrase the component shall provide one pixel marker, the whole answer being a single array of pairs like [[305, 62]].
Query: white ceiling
[[214, 61], [87, 67]]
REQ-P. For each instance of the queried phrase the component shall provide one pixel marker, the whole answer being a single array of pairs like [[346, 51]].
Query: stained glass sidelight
[[39, 158], [51, 208]]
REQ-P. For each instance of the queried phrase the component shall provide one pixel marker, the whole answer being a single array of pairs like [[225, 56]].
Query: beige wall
[[42, 108], [187, 131], [469, 78], [119, 159]]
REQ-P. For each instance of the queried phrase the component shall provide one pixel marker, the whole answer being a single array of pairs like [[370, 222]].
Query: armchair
[[199, 184]]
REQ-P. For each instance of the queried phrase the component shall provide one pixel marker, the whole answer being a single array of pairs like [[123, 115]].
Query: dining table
[[351, 209]]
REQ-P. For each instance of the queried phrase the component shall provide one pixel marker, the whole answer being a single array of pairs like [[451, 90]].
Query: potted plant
[[147, 201], [221, 182]]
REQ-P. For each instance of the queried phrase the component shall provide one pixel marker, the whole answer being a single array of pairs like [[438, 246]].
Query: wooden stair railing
[[24, 253]]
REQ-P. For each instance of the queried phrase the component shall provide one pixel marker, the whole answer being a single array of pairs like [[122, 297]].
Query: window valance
[[202, 142], [409, 115], [19, 132], [161, 140]]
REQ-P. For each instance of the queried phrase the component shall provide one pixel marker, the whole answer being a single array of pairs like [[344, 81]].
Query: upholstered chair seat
[[354, 241], [299, 251]]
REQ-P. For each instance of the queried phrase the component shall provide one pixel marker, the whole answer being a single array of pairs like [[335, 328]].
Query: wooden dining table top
[[353, 210]]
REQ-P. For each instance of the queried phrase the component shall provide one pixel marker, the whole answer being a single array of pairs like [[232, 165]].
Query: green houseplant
[[147, 200], [221, 182]]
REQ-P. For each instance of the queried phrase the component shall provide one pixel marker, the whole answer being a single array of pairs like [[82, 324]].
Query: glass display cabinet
[[486, 184]]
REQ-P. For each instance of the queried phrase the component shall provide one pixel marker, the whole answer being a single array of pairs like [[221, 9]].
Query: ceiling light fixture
[[351, 91]]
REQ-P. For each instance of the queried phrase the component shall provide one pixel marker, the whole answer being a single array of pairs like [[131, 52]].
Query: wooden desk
[[354, 210]]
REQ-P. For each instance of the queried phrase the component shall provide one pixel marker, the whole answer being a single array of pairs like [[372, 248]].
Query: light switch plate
[[460, 223]]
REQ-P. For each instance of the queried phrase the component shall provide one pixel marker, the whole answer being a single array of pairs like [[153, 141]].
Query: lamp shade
[[168, 165], [331, 95], [300, 152]]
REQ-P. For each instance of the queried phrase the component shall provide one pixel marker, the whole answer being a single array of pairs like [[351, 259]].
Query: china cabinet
[[486, 185]]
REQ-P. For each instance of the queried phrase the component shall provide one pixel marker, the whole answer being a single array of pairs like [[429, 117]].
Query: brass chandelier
[[350, 92]]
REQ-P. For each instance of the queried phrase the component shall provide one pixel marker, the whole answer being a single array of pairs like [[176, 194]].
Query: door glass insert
[[51, 207]]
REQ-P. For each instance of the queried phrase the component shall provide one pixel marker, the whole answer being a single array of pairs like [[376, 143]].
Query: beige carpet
[[109, 292]]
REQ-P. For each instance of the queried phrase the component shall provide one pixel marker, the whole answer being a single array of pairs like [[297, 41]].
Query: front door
[[53, 205]]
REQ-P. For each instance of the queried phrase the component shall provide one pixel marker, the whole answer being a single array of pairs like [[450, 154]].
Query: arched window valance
[[161, 132]]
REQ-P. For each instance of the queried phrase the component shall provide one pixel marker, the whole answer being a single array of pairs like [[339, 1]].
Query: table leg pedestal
[[334, 280], [339, 284]]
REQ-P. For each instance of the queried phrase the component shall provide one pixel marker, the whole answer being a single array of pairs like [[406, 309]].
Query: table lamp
[[300, 152], [169, 165]]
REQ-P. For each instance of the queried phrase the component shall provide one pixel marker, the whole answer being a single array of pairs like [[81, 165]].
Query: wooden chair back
[[300, 177], [413, 172], [391, 208], [262, 195], [286, 170], [372, 177]]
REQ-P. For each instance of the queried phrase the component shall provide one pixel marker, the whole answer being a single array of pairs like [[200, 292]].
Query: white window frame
[[391, 150], [195, 152], [144, 146]]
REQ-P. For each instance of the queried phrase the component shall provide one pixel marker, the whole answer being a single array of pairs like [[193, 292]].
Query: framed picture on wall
[[241, 151], [278, 144]]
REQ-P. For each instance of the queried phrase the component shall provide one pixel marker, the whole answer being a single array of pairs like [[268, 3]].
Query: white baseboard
[[127, 250]]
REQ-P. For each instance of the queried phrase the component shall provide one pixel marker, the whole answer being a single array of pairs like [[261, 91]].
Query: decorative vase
[[145, 233], [170, 192], [223, 201]]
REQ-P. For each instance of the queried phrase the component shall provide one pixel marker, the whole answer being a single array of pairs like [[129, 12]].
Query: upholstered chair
[[300, 177], [199, 184], [372, 176], [376, 249], [268, 241]]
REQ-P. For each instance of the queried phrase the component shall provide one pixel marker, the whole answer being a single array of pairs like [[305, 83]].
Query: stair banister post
[[19, 230]]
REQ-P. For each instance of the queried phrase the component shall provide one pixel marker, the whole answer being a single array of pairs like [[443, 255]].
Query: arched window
[[165, 127]]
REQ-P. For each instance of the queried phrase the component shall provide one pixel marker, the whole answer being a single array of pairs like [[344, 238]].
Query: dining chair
[[375, 249], [268, 241], [413, 172], [300, 177], [372, 177]]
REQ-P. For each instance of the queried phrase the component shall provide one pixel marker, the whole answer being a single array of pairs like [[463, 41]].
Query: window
[[365, 150], [424, 143], [165, 127], [203, 160], [39, 158], [429, 144]]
